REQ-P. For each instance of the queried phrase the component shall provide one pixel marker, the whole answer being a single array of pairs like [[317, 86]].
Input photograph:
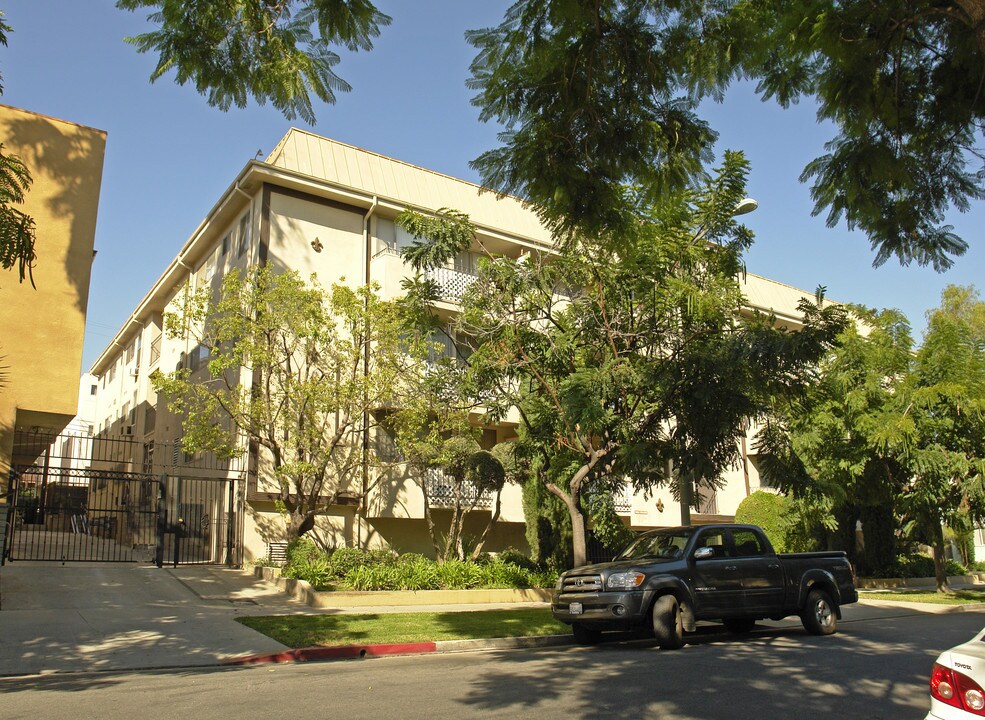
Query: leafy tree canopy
[[273, 50], [595, 96], [287, 374], [17, 229]]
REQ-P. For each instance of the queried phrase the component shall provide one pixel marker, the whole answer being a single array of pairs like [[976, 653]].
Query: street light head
[[745, 206]]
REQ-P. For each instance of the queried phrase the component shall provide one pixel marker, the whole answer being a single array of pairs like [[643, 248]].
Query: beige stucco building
[[315, 205], [42, 327]]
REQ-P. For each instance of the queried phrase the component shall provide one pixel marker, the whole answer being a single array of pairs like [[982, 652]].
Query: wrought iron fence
[[441, 491]]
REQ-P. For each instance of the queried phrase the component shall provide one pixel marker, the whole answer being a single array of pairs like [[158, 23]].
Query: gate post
[[229, 523], [162, 518]]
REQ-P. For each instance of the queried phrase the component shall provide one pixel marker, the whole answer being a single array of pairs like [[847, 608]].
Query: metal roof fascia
[[165, 281]]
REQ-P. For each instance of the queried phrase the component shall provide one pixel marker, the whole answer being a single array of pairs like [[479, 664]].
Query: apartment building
[[315, 205], [42, 325]]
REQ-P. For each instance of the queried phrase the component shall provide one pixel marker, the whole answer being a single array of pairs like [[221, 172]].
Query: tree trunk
[[578, 545], [940, 571], [493, 518]]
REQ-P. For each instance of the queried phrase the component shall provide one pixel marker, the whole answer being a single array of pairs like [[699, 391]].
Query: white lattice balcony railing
[[623, 504], [452, 283], [441, 491]]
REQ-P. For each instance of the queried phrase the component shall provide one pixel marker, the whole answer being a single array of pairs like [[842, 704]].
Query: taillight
[[957, 689]]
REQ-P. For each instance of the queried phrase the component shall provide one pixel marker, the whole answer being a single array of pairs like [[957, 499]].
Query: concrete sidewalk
[[94, 617], [105, 617], [101, 616]]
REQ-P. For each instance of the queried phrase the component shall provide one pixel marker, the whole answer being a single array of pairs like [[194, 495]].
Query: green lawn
[[958, 597], [300, 631]]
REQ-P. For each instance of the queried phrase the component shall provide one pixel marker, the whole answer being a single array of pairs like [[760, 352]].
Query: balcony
[[441, 492], [452, 283]]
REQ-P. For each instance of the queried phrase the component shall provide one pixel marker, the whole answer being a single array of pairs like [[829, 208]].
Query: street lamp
[[745, 206]]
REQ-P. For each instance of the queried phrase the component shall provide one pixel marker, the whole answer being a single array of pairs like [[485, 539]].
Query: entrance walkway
[[98, 616]]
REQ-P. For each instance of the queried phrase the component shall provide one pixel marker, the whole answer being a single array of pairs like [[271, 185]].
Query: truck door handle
[[774, 566], [731, 567]]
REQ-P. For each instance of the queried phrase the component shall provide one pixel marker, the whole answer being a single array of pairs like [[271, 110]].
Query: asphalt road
[[870, 669]]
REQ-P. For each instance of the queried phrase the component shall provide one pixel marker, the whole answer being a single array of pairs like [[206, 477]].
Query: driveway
[[85, 617]]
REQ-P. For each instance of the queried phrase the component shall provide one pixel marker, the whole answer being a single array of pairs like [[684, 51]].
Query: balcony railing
[[441, 491], [452, 283], [623, 504]]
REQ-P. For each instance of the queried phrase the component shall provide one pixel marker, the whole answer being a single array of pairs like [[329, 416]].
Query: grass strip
[[301, 631], [958, 597]]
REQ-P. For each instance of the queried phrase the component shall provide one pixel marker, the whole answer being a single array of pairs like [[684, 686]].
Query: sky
[[169, 156]]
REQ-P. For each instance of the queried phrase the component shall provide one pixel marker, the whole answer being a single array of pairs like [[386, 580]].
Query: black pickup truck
[[669, 579]]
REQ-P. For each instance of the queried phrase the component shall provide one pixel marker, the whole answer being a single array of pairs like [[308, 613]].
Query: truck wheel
[[585, 635], [819, 616], [668, 624], [739, 626]]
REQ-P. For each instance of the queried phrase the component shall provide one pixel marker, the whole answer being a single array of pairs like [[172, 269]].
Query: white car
[[956, 682]]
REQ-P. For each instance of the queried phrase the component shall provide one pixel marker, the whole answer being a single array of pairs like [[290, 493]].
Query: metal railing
[[452, 283], [441, 491]]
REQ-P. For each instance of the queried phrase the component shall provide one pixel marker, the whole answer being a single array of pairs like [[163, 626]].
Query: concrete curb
[[354, 652], [932, 608]]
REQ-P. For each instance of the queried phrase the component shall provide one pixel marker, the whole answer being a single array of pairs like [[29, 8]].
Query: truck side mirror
[[703, 553]]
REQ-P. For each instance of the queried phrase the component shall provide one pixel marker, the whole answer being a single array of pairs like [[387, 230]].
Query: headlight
[[625, 580], [560, 583]]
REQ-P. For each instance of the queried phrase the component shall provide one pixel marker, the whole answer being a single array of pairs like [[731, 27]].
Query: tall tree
[[619, 361], [597, 94], [293, 370], [272, 50], [891, 425], [941, 426], [829, 448]]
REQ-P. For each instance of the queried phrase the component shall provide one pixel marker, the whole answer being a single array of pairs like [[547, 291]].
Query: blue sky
[[169, 155]]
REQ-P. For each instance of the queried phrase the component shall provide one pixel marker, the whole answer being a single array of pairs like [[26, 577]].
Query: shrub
[[314, 571], [767, 510], [300, 550], [952, 567], [514, 556], [914, 566], [344, 560], [457, 574]]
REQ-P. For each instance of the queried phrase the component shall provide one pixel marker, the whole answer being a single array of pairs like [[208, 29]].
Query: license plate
[[575, 609]]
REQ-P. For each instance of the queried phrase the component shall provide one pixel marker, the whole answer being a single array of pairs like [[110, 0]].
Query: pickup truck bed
[[670, 579]]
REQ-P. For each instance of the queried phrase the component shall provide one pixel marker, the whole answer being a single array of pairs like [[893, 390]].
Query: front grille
[[582, 584]]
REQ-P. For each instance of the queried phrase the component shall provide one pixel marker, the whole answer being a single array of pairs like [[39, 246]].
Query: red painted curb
[[335, 653]]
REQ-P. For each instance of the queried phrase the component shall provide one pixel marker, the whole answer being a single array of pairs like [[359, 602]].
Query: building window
[[225, 244], [244, 234], [92, 389]]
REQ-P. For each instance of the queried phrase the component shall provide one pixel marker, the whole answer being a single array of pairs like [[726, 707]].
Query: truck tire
[[819, 616], [739, 626], [585, 635], [668, 623]]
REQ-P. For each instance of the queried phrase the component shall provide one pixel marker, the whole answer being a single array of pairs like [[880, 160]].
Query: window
[[747, 544], [714, 539], [92, 389], [225, 245], [244, 234]]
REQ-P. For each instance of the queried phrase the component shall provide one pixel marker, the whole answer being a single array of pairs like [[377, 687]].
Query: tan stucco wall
[[41, 329]]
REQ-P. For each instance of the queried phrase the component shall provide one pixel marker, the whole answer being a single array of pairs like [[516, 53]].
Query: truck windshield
[[665, 543]]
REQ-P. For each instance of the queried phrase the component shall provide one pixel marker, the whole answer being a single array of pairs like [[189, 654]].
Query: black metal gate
[[61, 512]]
